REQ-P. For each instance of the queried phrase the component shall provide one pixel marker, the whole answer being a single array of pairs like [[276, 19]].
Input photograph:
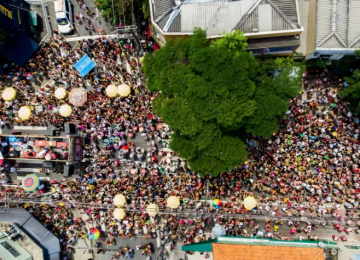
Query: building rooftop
[[337, 24], [11, 250], [48, 242], [216, 16]]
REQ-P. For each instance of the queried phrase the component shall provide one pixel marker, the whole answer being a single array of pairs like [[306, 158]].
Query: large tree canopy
[[210, 95], [352, 92]]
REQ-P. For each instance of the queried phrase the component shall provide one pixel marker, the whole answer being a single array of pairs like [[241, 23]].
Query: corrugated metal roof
[[265, 18], [338, 29], [332, 42], [288, 8], [216, 17], [162, 6], [176, 24], [279, 20], [342, 19], [354, 24]]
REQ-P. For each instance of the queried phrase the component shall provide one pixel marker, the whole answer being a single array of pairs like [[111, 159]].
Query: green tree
[[113, 9], [145, 8], [352, 92], [212, 95]]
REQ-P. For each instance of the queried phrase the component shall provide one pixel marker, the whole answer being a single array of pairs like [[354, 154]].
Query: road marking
[[20, 127], [79, 38], [27, 170]]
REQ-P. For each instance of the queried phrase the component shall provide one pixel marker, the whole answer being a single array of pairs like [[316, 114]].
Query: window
[[62, 21], [10, 249]]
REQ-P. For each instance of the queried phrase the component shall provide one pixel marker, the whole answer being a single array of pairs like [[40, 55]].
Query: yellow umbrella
[[60, 93], [25, 113], [173, 202], [9, 94], [119, 200], [111, 91], [119, 213], [250, 202], [65, 110], [152, 210], [124, 90]]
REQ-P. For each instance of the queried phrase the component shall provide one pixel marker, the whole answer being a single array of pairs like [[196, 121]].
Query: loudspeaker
[[68, 170], [13, 154], [48, 164], [70, 128]]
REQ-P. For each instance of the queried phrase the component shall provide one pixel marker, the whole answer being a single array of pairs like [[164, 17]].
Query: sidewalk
[[81, 253]]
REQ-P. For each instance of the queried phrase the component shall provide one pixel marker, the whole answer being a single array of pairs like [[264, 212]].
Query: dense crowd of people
[[309, 168]]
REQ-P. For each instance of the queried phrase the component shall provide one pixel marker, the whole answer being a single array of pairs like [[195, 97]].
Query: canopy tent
[[20, 48], [84, 65]]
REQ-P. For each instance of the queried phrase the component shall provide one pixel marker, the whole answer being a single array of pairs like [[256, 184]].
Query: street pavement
[[100, 23]]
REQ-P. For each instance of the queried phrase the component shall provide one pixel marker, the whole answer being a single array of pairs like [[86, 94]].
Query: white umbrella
[[119, 200], [218, 231]]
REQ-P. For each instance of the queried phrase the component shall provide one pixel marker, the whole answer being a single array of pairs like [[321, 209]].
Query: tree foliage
[[113, 9], [210, 95], [352, 92]]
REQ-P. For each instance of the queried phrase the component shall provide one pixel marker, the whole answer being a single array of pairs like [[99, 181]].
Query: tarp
[[32, 18], [20, 48], [84, 65], [204, 246], [156, 46]]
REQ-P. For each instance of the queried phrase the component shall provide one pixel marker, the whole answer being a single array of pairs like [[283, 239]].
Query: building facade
[[336, 29]]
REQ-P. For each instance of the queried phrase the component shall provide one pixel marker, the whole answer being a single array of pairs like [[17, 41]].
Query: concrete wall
[[311, 28]]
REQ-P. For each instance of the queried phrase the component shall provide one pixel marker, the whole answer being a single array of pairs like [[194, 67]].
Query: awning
[[204, 246], [20, 48], [84, 65]]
